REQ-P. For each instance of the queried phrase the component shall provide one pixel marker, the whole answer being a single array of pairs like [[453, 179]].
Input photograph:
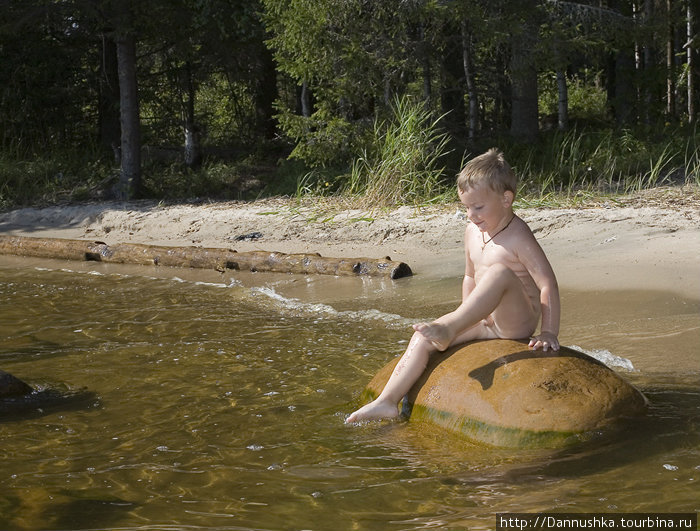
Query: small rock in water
[[11, 386], [249, 237]]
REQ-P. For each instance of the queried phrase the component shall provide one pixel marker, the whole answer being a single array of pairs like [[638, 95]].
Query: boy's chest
[[485, 255]]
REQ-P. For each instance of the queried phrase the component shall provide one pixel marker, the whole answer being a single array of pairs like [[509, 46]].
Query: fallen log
[[200, 257]]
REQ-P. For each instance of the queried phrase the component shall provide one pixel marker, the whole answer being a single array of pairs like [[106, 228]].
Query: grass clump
[[611, 161], [50, 178], [403, 164]]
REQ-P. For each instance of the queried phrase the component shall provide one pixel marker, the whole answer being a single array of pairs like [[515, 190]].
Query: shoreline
[[639, 244]]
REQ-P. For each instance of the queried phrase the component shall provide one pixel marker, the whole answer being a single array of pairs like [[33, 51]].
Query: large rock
[[11, 386], [502, 393]]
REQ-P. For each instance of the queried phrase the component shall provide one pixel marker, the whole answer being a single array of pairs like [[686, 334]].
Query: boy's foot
[[373, 410], [436, 333]]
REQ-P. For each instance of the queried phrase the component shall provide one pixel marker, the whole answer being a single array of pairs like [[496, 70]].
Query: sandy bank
[[650, 241]]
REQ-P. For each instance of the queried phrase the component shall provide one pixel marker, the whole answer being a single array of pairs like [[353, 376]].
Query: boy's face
[[486, 208]]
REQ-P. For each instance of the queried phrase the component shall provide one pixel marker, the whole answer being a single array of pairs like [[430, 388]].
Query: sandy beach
[[648, 241]]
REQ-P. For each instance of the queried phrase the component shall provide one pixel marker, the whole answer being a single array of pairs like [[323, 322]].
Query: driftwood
[[199, 257]]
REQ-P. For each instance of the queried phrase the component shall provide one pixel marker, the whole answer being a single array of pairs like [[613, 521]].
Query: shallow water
[[217, 402]]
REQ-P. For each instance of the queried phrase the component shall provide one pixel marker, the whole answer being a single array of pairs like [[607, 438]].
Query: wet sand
[[650, 241]]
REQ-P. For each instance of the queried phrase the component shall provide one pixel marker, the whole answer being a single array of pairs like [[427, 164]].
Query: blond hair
[[491, 169]]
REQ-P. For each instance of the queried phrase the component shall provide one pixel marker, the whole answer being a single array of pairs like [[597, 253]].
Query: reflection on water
[[215, 402]]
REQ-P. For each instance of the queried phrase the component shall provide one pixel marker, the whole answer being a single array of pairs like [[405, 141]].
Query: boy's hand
[[545, 341]]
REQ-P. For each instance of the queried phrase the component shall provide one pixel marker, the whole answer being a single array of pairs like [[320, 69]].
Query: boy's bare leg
[[407, 371], [498, 294]]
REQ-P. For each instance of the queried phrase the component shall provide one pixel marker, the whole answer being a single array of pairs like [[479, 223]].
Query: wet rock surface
[[502, 393], [11, 386]]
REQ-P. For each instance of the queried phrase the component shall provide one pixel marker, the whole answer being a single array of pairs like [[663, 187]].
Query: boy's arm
[[537, 264], [468, 283], [551, 310], [467, 286]]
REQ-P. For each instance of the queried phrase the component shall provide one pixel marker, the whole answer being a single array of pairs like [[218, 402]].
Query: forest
[[378, 100]]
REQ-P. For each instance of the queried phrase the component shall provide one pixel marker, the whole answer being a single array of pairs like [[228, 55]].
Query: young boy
[[508, 283]]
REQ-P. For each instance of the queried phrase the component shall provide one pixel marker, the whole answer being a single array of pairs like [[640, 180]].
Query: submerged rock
[[11, 386], [502, 393], [19, 401]]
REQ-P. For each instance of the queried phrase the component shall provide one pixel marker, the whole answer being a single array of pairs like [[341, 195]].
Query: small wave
[[232, 284], [608, 358], [325, 310], [298, 306]]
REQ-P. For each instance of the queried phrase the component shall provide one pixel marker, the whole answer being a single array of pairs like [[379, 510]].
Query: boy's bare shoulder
[[521, 237], [522, 226]]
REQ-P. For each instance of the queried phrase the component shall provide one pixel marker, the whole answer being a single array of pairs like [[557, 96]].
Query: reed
[[48, 178], [606, 162], [404, 163], [691, 158]]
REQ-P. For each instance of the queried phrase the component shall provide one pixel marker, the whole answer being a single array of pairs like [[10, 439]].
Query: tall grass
[[47, 178], [691, 158], [606, 162], [404, 163]]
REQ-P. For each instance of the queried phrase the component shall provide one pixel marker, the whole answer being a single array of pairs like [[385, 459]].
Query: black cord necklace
[[483, 245]]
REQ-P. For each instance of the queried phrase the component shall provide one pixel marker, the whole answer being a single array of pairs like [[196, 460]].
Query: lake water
[[173, 400]]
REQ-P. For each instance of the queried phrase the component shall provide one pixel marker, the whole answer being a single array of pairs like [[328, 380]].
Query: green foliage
[[586, 97], [319, 142], [351, 56], [209, 64], [403, 164], [606, 161], [47, 178], [214, 180], [47, 84]]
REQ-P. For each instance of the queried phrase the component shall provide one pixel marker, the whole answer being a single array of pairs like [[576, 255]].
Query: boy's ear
[[508, 198]]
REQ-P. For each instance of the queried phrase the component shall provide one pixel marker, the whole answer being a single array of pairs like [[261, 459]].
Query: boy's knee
[[420, 341]]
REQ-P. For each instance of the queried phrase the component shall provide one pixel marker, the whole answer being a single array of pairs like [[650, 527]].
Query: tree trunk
[[201, 258], [502, 105], [621, 69], [387, 92], [647, 65], [624, 93], [524, 125], [563, 108], [110, 131], [690, 8], [452, 91], [670, 63], [472, 94], [193, 149], [265, 95], [425, 67], [130, 177], [305, 100]]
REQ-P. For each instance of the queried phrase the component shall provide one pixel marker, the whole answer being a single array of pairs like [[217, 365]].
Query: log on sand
[[200, 257]]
